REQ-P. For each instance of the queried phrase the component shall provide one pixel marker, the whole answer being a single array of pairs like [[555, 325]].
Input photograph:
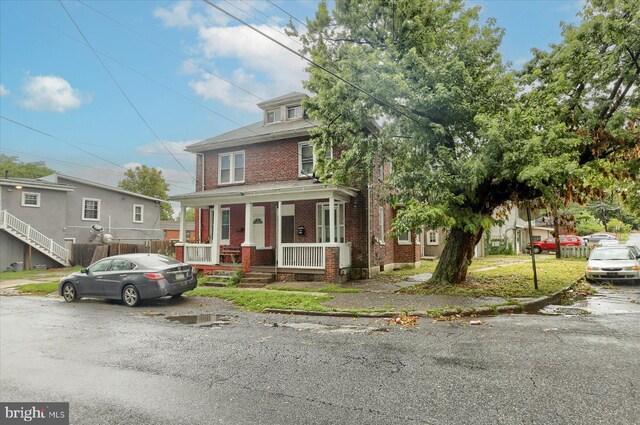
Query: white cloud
[[4, 91], [51, 93], [182, 15]]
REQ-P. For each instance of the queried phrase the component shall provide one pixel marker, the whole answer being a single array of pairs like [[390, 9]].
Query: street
[[133, 366]]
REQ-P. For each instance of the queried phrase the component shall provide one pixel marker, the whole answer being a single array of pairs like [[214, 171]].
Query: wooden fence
[[86, 254]]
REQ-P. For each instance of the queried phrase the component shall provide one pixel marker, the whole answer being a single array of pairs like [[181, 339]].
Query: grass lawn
[[510, 281], [38, 274], [327, 289], [38, 288], [258, 300]]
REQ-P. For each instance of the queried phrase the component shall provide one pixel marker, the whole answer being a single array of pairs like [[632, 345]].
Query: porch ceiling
[[297, 190]]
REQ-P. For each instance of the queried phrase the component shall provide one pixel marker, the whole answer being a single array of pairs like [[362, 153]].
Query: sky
[[155, 76]]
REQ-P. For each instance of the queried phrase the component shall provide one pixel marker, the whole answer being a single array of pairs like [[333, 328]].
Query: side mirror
[[85, 271]]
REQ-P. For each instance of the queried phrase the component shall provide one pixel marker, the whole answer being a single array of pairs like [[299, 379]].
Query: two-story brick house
[[257, 202]]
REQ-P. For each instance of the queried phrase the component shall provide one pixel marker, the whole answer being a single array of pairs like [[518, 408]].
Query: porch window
[[404, 238], [322, 223], [225, 226], [231, 168], [432, 237]]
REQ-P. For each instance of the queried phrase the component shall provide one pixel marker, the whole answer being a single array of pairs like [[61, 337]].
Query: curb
[[525, 307]]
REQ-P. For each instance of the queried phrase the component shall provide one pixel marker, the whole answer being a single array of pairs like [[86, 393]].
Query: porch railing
[[311, 255], [198, 253]]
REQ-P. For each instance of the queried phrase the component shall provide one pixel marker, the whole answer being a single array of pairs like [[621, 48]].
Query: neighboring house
[[257, 202], [433, 242], [515, 230], [171, 230], [42, 218]]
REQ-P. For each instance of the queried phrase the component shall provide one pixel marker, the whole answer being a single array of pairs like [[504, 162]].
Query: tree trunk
[[556, 230], [456, 257]]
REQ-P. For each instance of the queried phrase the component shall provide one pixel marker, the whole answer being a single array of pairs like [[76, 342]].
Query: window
[[536, 238], [138, 213], [432, 237], [294, 112], [120, 265], [272, 116], [381, 224], [91, 209], [404, 238], [307, 159], [231, 168], [100, 266], [225, 226], [381, 171], [323, 229], [30, 199]]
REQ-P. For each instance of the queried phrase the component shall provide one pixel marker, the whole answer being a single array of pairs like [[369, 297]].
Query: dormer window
[[271, 117], [294, 112]]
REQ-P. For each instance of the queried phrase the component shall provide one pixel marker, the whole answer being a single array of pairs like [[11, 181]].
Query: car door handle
[[124, 275], [99, 277]]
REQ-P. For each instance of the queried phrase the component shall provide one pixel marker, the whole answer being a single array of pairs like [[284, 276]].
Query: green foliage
[[149, 182], [586, 223], [258, 300], [19, 169], [38, 288], [617, 226], [235, 279], [497, 246]]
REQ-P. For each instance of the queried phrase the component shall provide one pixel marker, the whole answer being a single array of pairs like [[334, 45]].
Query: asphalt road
[[117, 365]]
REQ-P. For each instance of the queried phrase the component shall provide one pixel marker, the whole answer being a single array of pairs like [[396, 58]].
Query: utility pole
[[533, 255]]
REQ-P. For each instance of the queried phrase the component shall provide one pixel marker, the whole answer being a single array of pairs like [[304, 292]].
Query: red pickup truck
[[549, 244]]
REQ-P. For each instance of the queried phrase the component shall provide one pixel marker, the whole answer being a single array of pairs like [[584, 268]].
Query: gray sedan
[[130, 278], [616, 264]]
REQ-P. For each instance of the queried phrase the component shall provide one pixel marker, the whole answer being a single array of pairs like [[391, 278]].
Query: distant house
[[171, 230], [257, 202], [41, 218]]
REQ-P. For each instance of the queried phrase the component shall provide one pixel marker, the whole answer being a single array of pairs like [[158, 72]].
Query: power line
[[122, 91], [317, 65], [287, 13], [162, 46]]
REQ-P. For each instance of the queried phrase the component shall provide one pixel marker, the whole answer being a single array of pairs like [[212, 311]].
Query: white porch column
[[248, 225], [332, 219], [279, 233], [183, 219], [215, 235]]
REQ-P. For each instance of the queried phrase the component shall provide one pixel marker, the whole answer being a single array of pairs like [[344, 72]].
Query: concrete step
[[256, 280]]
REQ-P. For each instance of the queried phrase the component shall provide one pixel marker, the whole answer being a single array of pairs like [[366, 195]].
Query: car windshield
[[157, 262], [611, 254]]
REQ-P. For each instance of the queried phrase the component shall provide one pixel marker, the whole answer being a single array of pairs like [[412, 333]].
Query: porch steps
[[221, 276], [256, 280]]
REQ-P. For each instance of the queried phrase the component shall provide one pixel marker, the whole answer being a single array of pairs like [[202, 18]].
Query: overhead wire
[[287, 13], [122, 90]]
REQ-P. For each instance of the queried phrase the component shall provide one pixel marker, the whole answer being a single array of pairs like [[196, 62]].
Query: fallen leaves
[[404, 320]]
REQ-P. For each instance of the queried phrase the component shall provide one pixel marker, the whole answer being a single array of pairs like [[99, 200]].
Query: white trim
[[232, 168], [339, 228], [225, 241], [293, 107], [83, 209], [70, 240], [141, 213], [313, 156], [24, 204]]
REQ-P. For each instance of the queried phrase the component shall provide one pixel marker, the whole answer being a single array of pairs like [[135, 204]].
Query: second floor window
[[30, 199], [231, 168], [138, 213], [307, 159], [91, 209], [404, 238]]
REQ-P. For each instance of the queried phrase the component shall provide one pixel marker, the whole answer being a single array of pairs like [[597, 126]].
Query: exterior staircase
[[23, 231], [256, 280]]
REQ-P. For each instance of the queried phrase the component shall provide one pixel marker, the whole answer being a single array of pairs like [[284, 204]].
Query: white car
[[615, 264], [608, 242]]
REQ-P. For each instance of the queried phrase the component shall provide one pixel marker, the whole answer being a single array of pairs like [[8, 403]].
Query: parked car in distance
[[608, 242], [130, 278], [615, 264], [549, 244], [597, 237]]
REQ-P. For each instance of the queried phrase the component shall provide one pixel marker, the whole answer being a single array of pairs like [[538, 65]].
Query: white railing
[[198, 253], [311, 255], [575, 251], [302, 255], [33, 236]]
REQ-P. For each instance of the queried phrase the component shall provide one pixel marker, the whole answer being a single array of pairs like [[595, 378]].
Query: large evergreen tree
[[466, 137]]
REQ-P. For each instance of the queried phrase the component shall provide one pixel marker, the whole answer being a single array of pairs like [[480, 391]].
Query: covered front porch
[[285, 227]]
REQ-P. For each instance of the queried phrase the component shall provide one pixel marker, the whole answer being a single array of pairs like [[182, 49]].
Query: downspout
[[368, 230]]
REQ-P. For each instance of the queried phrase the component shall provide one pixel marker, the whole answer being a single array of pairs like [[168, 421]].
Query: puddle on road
[[616, 300], [329, 329], [201, 320]]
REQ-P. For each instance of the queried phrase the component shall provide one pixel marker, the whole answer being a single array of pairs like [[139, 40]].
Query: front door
[[257, 230], [288, 231]]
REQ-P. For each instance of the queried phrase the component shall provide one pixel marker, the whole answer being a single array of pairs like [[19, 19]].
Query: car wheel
[[537, 250], [130, 296], [69, 292]]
